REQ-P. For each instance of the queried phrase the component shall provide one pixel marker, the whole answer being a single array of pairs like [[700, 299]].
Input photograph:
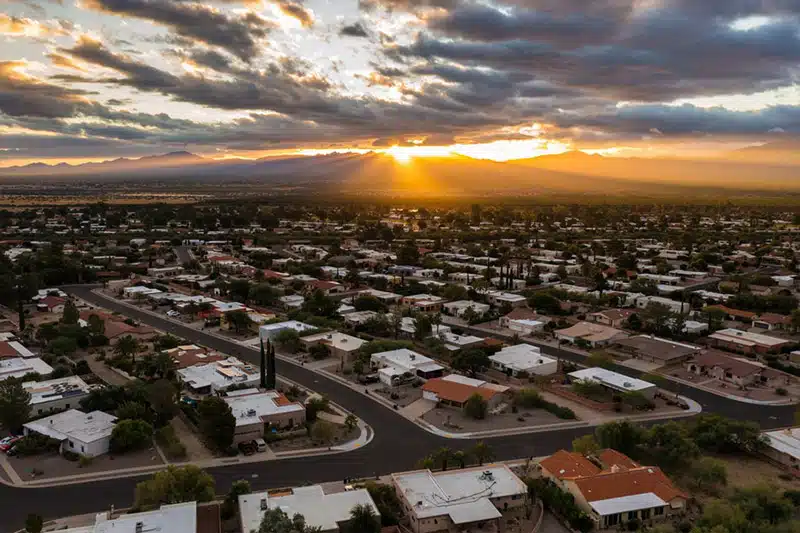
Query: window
[[67, 406], [612, 519], [658, 511], [71, 444], [82, 449], [631, 515], [645, 514], [516, 497]]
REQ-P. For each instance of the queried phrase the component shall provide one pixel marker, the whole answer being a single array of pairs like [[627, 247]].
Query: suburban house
[[270, 331], [783, 448], [524, 321], [256, 411], [188, 517], [216, 376], [454, 342], [384, 296], [772, 321], [51, 304], [613, 489], [739, 372], [656, 350], [18, 367], [341, 345], [614, 318], [423, 302], [13, 349], [594, 334], [356, 318], [397, 365], [86, 434], [614, 381], [459, 307], [292, 301], [328, 512], [512, 360], [326, 287], [190, 354], [745, 342], [481, 498], [56, 394], [454, 390], [500, 298]]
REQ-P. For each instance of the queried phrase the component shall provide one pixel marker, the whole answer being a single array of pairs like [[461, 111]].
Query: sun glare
[[404, 154]]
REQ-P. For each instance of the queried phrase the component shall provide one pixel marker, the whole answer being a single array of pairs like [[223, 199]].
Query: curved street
[[398, 443]]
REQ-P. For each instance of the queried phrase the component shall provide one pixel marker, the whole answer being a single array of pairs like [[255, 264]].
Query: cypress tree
[[263, 366], [271, 377]]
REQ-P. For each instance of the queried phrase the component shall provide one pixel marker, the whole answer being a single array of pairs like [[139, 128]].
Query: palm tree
[[443, 456], [127, 346], [482, 452], [363, 520], [460, 456], [350, 422], [436, 320]]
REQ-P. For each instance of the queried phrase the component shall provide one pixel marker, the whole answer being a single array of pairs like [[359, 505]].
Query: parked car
[[247, 448], [173, 313], [260, 444], [367, 379], [7, 443]]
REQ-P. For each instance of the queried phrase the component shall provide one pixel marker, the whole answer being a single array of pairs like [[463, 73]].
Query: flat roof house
[[56, 394], [217, 376], [328, 512], [423, 302], [270, 331], [614, 318], [341, 345], [17, 367], [512, 360], [86, 434], [783, 448], [614, 381], [255, 410], [459, 307], [594, 334], [483, 497], [656, 350], [501, 297], [185, 517], [746, 342], [394, 364]]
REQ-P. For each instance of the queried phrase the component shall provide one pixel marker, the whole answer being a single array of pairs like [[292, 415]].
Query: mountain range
[[773, 167]]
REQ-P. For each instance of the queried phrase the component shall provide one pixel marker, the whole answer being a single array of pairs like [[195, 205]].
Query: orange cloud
[[26, 27]]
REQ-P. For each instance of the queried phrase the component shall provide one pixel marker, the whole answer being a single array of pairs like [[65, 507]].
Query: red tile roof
[[617, 484], [569, 465], [455, 392]]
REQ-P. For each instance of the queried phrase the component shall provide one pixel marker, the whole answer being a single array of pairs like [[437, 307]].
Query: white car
[[173, 313]]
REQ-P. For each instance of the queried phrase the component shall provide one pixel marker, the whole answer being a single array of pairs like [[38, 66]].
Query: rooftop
[[74, 424], [219, 374], [785, 441], [17, 367], [611, 379], [55, 389], [463, 494], [746, 338], [175, 518], [251, 405], [657, 348], [521, 357], [321, 510], [335, 339]]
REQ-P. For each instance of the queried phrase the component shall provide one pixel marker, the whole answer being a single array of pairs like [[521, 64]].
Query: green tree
[[127, 346], [369, 303], [163, 397], [476, 407], [443, 456], [34, 523], [319, 351], [318, 304], [657, 315], [670, 445], [386, 501], [134, 411], [363, 520], [231, 503], [586, 445], [423, 326], [600, 358], [622, 436], [239, 320], [288, 339], [708, 474], [175, 485], [315, 405], [471, 360], [130, 435], [277, 521], [63, 346], [482, 452], [96, 325], [217, 423], [323, 432], [15, 404], [351, 422], [239, 290], [544, 302], [71, 314]]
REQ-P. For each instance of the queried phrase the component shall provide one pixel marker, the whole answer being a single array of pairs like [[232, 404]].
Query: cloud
[[354, 30], [21, 26], [22, 95], [238, 34], [297, 11]]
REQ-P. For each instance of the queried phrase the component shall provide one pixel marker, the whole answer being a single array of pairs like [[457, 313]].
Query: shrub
[[84, 461], [780, 391]]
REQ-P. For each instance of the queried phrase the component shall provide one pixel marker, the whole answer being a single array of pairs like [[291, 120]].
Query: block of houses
[[188, 517], [614, 381], [56, 394], [330, 513], [746, 342], [217, 376], [482, 498], [454, 390], [614, 318], [656, 350], [614, 489], [783, 448], [594, 334], [395, 365], [459, 307], [341, 345], [256, 412], [86, 434], [739, 372], [512, 360]]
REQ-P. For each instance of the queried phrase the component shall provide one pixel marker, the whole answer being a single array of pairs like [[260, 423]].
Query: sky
[[498, 79]]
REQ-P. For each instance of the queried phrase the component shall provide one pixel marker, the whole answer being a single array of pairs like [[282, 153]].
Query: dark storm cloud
[[238, 34], [354, 30], [298, 11], [22, 95]]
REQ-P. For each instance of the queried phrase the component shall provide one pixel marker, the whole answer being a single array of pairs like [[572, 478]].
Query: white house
[[254, 410], [614, 381], [328, 512], [17, 367], [459, 307], [86, 434], [174, 518], [270, 331], [523, 358], [56, 394], [395, 364], [217, 376]]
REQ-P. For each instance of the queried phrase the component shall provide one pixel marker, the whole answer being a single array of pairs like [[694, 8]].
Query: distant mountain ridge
[[570, 172]]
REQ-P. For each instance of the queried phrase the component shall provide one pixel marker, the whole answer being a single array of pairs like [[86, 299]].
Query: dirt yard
[[53, 465]]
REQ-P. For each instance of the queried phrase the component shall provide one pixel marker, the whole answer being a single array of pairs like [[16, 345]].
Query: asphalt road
[[184, 254], [398, 443]]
